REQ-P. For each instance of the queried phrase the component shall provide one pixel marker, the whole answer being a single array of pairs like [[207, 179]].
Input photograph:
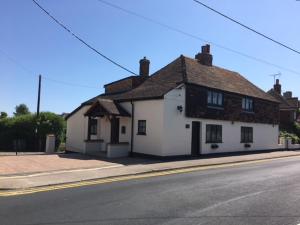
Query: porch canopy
[[106, 107], [110, 109]]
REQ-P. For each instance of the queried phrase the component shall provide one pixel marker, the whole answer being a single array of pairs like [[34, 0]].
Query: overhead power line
[[89, 46], [197, 37], [248, 28], [81, 40]]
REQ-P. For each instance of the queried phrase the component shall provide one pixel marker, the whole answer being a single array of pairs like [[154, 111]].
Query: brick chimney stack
[[205, 58], [288, 94], [144, 67], [277, 87]]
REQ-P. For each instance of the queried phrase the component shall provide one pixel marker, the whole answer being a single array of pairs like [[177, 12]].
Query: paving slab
[[22, 181]]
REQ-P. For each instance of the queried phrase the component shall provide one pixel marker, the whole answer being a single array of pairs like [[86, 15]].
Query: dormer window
[[247, 104], [215, 98]]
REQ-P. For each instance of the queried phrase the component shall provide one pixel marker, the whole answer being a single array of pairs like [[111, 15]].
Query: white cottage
[[189, 107]]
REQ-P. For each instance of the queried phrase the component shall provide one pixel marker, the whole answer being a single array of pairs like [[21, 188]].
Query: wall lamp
[[179, 108]]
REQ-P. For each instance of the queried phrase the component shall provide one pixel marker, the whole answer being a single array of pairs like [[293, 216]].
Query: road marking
[[128, 177]]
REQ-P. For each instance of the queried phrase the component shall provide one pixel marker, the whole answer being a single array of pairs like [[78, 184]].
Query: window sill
[[213, 142], [215, 107], [248, 112], [141, 134]]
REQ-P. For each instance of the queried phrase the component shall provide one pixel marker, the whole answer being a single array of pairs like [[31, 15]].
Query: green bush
[[24, 128], [294, 137]]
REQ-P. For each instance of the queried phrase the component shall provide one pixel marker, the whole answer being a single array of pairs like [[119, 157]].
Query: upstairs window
[[247, 104], [213, 133], [246, 134], [141, 127], [214, 98], [93, 126]]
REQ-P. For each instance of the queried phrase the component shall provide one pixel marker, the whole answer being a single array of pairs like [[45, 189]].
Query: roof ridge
[[183, 68]]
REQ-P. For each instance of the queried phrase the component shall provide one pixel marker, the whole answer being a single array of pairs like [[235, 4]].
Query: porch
[[104, 136]]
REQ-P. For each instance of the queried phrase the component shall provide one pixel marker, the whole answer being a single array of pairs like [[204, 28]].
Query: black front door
[[114, 132], [195, 138]]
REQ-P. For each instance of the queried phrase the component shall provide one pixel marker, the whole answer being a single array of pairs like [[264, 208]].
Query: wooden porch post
[[89, 129]]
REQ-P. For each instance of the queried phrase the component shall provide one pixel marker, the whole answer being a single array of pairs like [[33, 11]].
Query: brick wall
[[196, 106]]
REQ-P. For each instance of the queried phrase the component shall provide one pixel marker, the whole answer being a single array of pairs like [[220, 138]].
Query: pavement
[[30, 170], [265, 193]]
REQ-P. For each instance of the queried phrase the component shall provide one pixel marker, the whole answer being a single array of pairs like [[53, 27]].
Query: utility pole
[[37, 115], [39, 97]]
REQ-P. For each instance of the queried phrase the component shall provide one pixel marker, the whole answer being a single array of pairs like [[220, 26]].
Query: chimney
[[144, 67], [277, 87], [288, 94], [205, 58]]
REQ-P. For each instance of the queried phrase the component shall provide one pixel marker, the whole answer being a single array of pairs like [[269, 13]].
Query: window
[[93, 126], [214, 98], [213, 133], [123, 130], [141, 127], [247, 104], [246, 134]]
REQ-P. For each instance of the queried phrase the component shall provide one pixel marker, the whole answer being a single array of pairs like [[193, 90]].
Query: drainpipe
[[132, 126]]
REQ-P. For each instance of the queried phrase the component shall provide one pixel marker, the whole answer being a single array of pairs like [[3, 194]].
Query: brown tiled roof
[[222, 79], [293, 102], [107, 107], [187, 70], [283, 103]]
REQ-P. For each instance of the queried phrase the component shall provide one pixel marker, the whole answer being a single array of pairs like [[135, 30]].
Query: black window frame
[[246, 134], [142, 125], [214, 133], [246, 106], [93, 126], [219, 102], [123, 129]]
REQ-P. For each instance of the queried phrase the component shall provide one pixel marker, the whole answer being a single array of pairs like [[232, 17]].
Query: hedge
[[21, 131]]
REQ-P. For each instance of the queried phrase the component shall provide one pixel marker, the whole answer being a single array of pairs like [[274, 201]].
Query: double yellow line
[[126, 178]]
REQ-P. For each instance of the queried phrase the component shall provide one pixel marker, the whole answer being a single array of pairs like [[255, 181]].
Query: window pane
[[209, 97], [219, 133], [142, 126], [215, 98], [220, 99], [208, 133]]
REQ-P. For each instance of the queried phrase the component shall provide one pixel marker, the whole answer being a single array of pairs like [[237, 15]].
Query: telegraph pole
[[37, 115], [39, 97]]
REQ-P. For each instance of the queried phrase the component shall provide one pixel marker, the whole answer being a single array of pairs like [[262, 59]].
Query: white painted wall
[[177, 138], [77, 131], [166, 132], [125, 121], [152, 112]]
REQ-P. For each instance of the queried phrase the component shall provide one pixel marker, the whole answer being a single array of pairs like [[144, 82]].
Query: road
[[266, 193]]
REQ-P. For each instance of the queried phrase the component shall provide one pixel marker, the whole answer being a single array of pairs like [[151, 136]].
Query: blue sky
[[42, 47]]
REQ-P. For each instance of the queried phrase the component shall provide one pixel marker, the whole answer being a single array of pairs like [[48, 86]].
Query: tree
[[3, 115], [21, 109]]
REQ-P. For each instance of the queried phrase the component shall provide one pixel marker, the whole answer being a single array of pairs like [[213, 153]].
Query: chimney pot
[[205, 58], [144, 66]]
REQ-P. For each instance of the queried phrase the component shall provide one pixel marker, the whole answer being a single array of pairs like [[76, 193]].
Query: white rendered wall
[[125, 121], [177, 138], [77, 131], [152, 112]]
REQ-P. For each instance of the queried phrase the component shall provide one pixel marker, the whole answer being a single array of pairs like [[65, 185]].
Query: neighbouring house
[[288, 106], [188, 107]]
